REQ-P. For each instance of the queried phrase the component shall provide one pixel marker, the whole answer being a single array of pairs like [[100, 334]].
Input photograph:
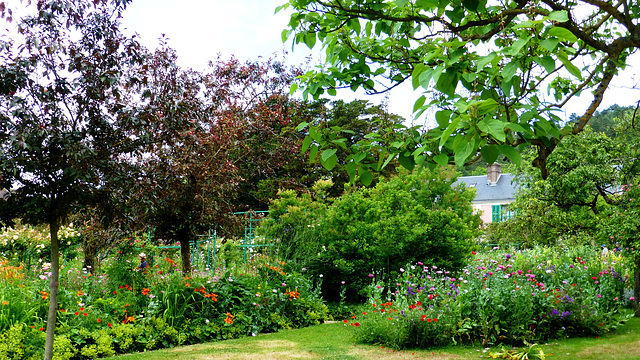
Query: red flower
[[357, 324], [40, 329], [109, 324], [77, 313], [345, 321], [473, 252], [594, 278], [435, 319], [115, 292], [121, 286], [81, 309], [85, 314], [99, 320]]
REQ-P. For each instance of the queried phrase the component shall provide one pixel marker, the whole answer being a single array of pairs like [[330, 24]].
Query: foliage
[[65, 124], [495, 71], [100, 316], [375, 231], [510, 298]]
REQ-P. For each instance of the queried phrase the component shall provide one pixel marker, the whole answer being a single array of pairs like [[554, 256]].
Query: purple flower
[[371, 275]]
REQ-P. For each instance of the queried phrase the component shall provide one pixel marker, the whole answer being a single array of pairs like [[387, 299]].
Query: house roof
[[503, 190]]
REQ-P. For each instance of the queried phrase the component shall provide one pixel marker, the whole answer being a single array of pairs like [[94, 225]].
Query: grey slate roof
[[504, 190]]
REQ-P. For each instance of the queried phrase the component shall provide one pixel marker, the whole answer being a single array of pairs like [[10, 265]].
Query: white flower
[[321, 275], [401, 270]]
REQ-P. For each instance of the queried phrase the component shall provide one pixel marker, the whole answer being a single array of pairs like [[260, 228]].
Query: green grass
[[332, 341]]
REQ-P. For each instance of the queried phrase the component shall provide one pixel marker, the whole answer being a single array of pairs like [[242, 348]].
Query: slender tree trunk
[[185, 249], [636, 288], [53, 288]]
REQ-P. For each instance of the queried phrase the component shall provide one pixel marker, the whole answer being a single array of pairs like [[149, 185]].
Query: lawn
[[332, 341]]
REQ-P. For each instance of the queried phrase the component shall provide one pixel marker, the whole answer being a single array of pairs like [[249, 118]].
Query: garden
[[117, 163], [482, 296]]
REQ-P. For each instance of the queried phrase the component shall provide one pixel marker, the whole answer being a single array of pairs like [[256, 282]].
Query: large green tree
[[487, 66], [590, 195], [64, 125]]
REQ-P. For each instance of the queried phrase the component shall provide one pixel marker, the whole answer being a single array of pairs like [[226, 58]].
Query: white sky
[[249, 29]]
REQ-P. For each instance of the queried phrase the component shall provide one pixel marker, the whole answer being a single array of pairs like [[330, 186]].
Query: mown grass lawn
[[333, 341]]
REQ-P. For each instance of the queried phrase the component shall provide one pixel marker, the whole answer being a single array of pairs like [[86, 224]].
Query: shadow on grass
[[333, 341]]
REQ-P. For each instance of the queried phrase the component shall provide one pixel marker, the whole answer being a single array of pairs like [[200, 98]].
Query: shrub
[[375, 231]]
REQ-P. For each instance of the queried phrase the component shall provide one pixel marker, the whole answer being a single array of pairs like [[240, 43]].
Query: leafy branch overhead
[[496, 71]]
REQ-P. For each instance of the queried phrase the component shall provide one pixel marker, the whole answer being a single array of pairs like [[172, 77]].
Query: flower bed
[[501, 297], [103, 315]]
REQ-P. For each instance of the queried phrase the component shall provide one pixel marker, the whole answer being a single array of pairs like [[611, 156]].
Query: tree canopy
[[496, 71], [64, 123]]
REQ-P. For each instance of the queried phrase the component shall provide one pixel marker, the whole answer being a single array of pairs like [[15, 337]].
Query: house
[[494, 192]]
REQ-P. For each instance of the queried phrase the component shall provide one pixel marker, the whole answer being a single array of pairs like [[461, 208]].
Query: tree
[[591, 195], [487, 67], [63, 128], [407, 218]]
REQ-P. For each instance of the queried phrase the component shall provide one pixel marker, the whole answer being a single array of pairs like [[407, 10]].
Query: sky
[[199, 30], [248, 29]]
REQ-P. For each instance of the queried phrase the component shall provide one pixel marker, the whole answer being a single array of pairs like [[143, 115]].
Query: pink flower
[[632, 299]]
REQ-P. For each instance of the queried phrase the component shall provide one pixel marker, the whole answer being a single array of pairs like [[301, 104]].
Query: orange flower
[[5, 303], [211, 296], [44, 294], [292, 294], [187, 285], [80, 293], [229, 319], [145, 291]]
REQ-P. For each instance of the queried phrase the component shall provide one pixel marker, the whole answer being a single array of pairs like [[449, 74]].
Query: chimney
[[493, 174]]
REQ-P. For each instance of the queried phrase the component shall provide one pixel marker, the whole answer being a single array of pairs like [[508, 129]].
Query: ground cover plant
[[121, 310], [501, 297]]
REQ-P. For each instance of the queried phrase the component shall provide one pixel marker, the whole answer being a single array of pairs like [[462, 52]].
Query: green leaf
[[483, 61], [332, 91], [313, 152], [358, 157], [509, 70], [568, 65], [563, 34], [511, 153], [515, 127], [351, 170], [386, 162], [407, 162], [301, 126], [425, 78], [450, 129], [315, 134], [546, 62], [365, 176], [427, 4], [305, 144], [310, 39], [549, 44], [496, 128], [442, 159], [463, 151], [415, 75], [515, 48], [559, 16], [330, 162], [327, 154], [401, 3], [448, 82], [490, 153], [284, 35], [418, 104]]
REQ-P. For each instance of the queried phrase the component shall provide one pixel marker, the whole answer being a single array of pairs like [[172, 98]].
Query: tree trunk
[[90, 253], [636, 288], [185, 250], [53, 288]]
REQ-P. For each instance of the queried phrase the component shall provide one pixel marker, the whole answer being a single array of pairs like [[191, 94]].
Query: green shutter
[[495, 213]]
